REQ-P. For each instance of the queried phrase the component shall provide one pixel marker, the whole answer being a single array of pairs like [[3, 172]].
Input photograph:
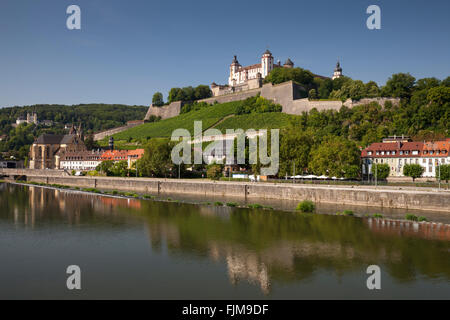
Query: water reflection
[[265, 248]]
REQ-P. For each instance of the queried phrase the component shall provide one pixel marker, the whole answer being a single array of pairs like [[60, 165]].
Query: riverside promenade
[[419, 198]]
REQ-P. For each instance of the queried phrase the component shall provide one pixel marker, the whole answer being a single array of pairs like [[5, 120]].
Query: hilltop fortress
[[251, 77], [247, 81]]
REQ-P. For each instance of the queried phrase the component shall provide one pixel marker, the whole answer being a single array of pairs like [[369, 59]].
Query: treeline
[[400, 85], [92, 117], [186, 94]]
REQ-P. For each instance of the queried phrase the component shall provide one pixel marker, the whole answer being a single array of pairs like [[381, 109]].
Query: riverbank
[[430, 227], [368, 196]]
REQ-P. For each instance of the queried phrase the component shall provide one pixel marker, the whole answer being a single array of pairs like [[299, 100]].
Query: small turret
[[288, 63]]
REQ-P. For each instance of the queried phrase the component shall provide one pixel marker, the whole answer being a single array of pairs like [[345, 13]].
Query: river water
[[144, 249]]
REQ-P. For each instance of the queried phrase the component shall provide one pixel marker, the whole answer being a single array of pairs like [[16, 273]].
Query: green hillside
[[210, 116]]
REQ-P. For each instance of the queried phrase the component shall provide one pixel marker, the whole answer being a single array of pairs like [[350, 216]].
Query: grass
[[269, 120], [255, 206], [306, 206], [378, 215], [411, 217], [164, 128], [232, 204], [346, 213], [218, 203]]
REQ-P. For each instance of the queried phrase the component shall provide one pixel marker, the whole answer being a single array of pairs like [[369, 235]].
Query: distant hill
[[92, 117]]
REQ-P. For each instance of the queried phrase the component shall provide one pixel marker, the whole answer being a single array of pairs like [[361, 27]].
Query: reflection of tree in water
[[261, 246]]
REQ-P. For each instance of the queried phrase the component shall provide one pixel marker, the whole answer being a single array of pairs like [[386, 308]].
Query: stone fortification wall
[[168, 111], [237, 96], [287, 94]]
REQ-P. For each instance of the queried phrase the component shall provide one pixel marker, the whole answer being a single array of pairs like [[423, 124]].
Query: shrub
[[232, 204], [422, 218], [255, 206], [378, 215], [347, 213], [411, 217], [306, 206], [218, 203]]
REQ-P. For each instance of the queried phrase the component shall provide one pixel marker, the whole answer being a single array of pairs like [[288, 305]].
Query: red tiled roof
[[423, 149], [117, 155]]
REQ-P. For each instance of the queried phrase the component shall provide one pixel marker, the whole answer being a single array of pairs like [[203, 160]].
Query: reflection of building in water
[[69, 206], [409, 228], [248, 267], [121, 202]]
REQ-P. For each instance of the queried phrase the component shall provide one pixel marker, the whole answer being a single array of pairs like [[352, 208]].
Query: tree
[[413, 170], [444, 172], [372, 90], [175, 94], [158, 99], [214, 171], [298, 75], [381, 171], [333, 156], [295, 148], [105, 167], [119, 168], [439, 95], [202, 92], [312, 94], [90, 143], [399, 85], [324, 87], [156, 161], [427, 83]]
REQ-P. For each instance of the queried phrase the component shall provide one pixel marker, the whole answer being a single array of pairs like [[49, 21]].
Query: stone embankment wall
[[33, 172], [388, 197]]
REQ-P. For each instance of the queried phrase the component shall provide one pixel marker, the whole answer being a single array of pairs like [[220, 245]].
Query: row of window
[[406, 152], [410, 161]]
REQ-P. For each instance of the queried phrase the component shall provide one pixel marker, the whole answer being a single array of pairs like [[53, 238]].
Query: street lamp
[[376, 174]]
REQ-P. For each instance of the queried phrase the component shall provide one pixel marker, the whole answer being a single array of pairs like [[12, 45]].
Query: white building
[[81, 160]]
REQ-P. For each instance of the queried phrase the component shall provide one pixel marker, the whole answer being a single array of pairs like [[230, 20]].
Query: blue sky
[[127, 50]]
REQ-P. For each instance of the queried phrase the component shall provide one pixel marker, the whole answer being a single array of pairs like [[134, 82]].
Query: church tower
[[234, 69], [266, 63], [337, 71]]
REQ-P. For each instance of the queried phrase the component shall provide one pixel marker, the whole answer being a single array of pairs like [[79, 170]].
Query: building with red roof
[[398, 151]]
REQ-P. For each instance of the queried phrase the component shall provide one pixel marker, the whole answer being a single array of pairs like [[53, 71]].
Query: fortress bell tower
[[266, 63]]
